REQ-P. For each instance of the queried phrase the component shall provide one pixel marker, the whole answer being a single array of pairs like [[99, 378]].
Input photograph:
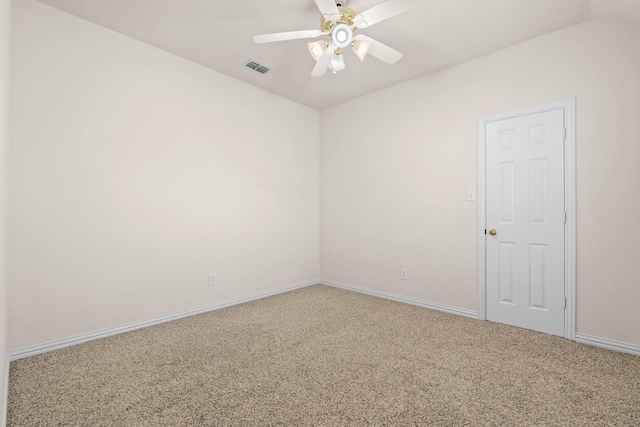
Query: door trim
[[569, 107]]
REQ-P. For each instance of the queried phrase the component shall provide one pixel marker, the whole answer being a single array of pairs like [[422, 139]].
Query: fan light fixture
[[337, 62], [342, 35], [318, 48], [360, 48]]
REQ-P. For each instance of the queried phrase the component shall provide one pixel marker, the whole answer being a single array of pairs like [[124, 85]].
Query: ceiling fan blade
[[289, 35], [384, 10], [328, 9], [380, 50], [323, 63]]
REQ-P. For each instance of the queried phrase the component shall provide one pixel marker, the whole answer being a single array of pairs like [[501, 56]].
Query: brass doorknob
[[492, 232]]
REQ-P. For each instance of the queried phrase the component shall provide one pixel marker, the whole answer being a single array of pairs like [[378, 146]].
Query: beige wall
[[395, 166], [5, 19], [136, 173]]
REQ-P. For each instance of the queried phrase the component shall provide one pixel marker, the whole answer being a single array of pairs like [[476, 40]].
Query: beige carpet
[[326, 357]]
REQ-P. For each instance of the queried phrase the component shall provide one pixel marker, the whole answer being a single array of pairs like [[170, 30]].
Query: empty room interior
[[433, 221]]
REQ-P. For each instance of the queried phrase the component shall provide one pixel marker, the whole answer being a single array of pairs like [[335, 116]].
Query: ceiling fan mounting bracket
[[346, 16]]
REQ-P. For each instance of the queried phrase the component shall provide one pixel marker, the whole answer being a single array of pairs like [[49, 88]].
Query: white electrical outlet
[[403, 273], [212, 279]]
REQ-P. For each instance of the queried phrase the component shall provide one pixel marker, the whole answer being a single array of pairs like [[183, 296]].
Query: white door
[[525, 221]]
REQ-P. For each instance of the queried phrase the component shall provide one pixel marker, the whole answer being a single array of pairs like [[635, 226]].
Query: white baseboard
[[79, 339], [609, 344], [582, 338], [401, 298]]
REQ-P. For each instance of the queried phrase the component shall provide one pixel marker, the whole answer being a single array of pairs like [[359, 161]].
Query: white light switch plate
[[471, 194]]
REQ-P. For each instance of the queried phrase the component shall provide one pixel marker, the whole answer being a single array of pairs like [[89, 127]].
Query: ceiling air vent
[[258, 68]]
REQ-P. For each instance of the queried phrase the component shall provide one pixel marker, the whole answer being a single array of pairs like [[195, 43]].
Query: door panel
[[506, 268], [525, 206]]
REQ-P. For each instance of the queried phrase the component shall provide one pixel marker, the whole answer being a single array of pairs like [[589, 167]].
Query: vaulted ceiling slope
[[433, 36]]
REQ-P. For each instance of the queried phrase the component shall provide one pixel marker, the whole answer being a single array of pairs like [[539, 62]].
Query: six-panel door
[[525, 207]]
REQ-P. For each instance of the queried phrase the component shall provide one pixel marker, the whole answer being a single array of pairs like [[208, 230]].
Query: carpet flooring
[[321, 356]]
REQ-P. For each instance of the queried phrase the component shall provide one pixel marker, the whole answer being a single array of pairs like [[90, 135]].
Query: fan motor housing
[[346, 16]]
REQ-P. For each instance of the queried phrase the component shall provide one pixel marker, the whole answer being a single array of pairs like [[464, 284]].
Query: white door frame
[[569, 107]]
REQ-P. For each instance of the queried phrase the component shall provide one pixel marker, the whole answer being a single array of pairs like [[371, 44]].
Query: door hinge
[[565, 302], [565, 217], [564, 133]]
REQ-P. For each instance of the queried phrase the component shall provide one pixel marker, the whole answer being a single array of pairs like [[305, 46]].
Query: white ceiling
[[435, 35]]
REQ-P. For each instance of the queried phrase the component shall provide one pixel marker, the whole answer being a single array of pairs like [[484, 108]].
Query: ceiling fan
[[340, 23]]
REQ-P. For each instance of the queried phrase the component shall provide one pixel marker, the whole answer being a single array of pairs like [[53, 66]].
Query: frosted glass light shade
[[337, 63], [360, 48], [318, 48]]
